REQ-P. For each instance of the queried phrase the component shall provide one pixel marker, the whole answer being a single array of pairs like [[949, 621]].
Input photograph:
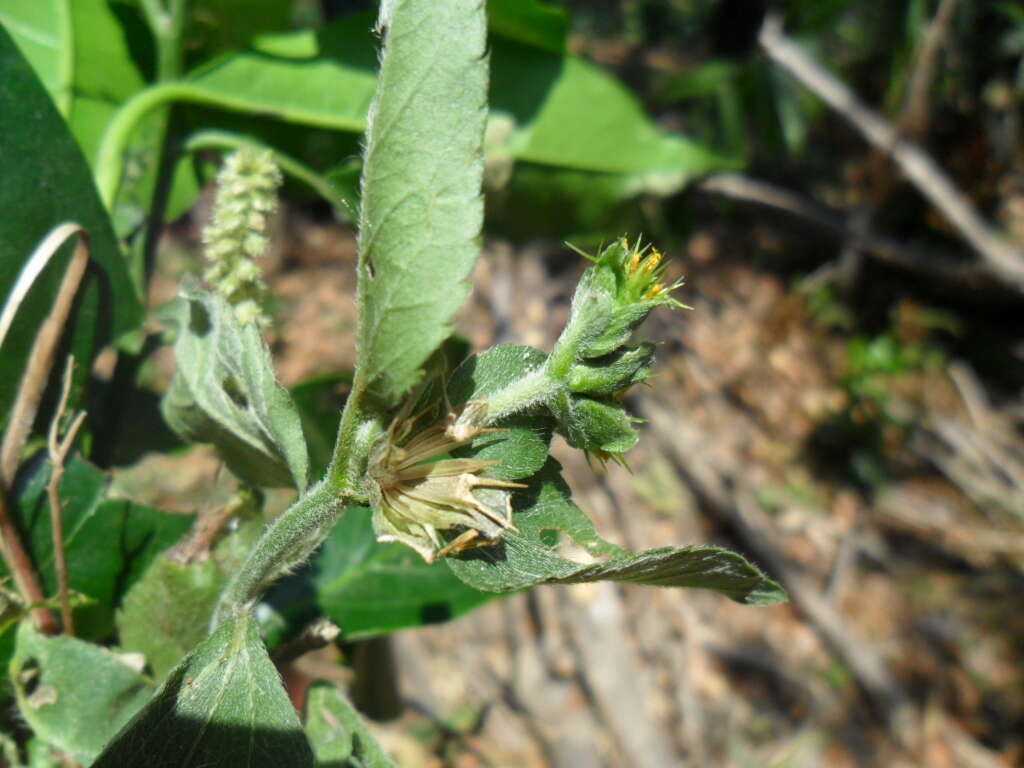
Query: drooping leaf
[[421, 207], [368, 588], [524, 558], [47, 182], [108, 542], [225, 392], [167, 612], [74, 695], [338, 735], [223, 706]]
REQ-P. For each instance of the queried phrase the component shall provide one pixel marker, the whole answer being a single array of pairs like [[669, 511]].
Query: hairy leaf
[[338, 735], [520, 446], [47, 182], [524, 558], [73, 694], [225, 392], [167, 612], [421, 207], [222, 707]]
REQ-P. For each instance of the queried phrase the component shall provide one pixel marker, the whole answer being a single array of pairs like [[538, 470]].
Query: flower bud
[[616, 372], [616, 294]]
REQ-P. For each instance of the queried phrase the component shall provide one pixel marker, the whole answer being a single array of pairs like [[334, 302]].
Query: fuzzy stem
[[285, 544]]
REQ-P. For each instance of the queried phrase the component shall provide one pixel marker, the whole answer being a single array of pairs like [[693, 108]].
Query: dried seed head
[[416, 494]]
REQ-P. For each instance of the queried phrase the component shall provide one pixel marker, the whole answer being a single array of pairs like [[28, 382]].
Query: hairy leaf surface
[[526, 557], [74, 694], [225, 392], [222, 707], [422, 208], [337, 733]]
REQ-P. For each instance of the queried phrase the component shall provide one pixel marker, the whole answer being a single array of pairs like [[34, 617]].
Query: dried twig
[[1002, 259], [58, 450], [30, 392], [40, 361], [318, 634], [739, 187], [724, 491]]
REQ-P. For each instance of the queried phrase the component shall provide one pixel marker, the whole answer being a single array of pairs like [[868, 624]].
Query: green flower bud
[[615, 295], [596, 425], [609, 374], [246, 192]]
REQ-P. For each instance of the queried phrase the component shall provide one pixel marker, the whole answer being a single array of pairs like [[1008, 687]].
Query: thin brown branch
[[725, 492], [318, 634], [23, 571], [40, 361], [1002, 259], [30, 392], [914, 114], [736, 186], [58, 450]]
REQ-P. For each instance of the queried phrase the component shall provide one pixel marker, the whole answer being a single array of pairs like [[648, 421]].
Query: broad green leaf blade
[[525, 558], [74, 695], [167, 612], [368, 588], [47, 182], [569, 113], [222, 707], [521, 445], [338, 735], [421, 208], [225, 392], [109, 542], [82, 54]]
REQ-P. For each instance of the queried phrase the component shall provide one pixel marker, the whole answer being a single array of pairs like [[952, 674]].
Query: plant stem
[[285, 544], [110, 160], [295, 535], [167, 25], [531, 389]]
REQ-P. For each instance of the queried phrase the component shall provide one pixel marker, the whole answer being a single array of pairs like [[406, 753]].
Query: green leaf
[[81, 52], [319, 402], [46, 182], [167, 612], [421, 209], [526, 557], [73, 694], [220, 25], [368, 588], [225, 392], [337, 733], [222, 707], [108, 542], [521, 445], [529, 21], [569, 113]]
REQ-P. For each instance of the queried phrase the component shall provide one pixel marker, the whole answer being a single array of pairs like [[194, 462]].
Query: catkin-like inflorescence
[[237, 234]]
